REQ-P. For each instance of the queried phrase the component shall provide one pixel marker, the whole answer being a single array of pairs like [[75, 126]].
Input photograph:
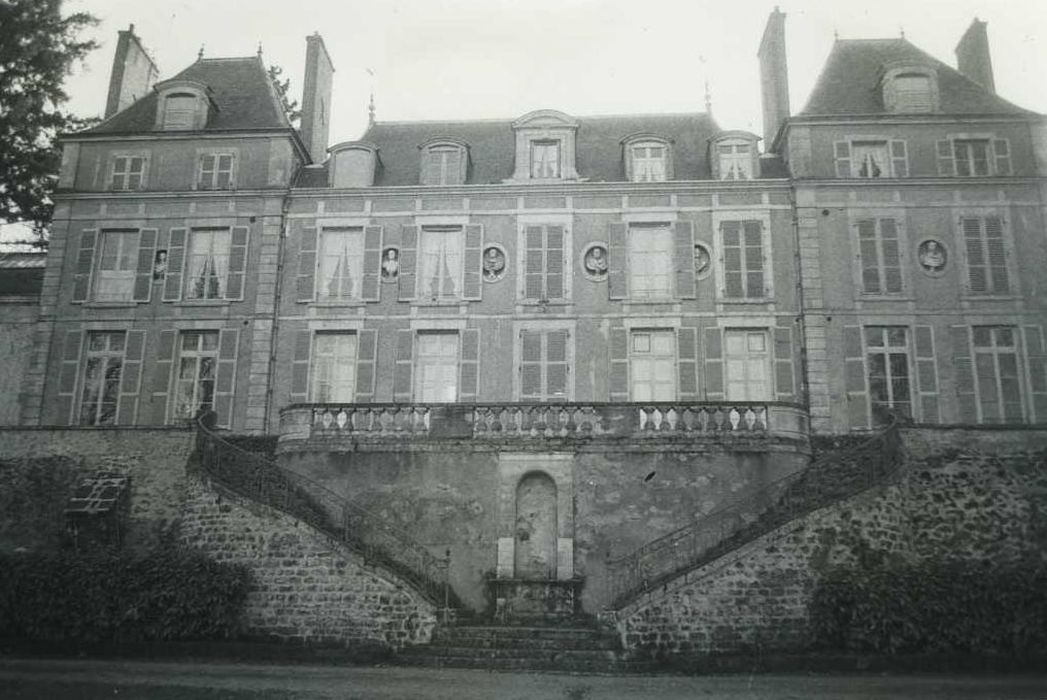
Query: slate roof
[[850, 81], [492, 145], [239, 86]]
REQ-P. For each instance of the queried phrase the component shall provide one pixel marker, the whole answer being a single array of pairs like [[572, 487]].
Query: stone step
[[564, 663], [512, 632], [470, 652], [487, 642]]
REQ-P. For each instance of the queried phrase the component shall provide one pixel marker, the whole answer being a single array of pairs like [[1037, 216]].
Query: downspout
[[805, 393], [285, 207]]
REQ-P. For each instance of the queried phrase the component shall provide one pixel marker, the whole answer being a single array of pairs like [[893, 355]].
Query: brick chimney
[[133, 74], [774, 76], [316, 97], [972, 55]]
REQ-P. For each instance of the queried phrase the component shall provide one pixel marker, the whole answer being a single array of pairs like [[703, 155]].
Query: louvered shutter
[[945, 157], [303, 347], [618, 262], [131, 378], [144, 269], [306, 279], [557, 370], [892, 256], [85, 258], [532, 279], [162, 372], [68, 373], [469, 365], [687, 362], [784, 376], [977, 269], [868, 257], [842, 157], [404, 368], [225, 375], [900, 158], [1036, 357], [234, 288], [731, 257], [408, 263], [713, 346], [966, 398], [366, 364], [754, 262], [474, 263], [927, 375], [855, 378], [997, 255], [530, 364], [175, 264], [683, 243], [618, 377], [372, 263], [554, 262], [1002, 151]]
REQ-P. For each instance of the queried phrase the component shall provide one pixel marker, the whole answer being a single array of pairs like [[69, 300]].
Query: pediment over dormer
[[545, 119]]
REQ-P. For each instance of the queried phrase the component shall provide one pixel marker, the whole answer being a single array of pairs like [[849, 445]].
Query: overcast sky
[[468, 59]]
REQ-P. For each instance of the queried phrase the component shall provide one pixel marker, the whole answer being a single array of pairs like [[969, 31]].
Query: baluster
[[735, 417], [750, 419]]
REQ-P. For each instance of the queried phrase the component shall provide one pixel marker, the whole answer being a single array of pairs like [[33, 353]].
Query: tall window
[[128, 173], [887, 363], [544, 364], [543, 271], [972, 156], [649, 162], [442, 165], [650, 262], [869, 159], [652, 360], [333, 374], [441, 263], [997, 372], [743, 260], [545, 159], [103, 364], [879, 250], [208, 263], [986, 255], [341, 263], [735, 160], [195, 382], [436, 367], [747, 364], [216, 171], [117, 263]]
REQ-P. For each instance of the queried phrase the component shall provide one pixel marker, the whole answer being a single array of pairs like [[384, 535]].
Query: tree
[[38, 48], [282, 88]]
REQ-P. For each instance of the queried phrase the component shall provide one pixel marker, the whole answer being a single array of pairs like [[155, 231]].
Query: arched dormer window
[[545, 141], [443, 162], [182, 105], [648, 158], [734, 156], [353, 164], [909, 89]]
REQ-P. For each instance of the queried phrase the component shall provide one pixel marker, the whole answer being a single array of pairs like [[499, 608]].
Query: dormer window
[[910, 89], [734, 156], [444, 162], [353, 164], [648, 158], [545, 159], [545, 147], [179, 111], [182, 105]]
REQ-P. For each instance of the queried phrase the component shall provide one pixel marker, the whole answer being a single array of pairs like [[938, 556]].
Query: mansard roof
[[492, 146], [850, 81], [239, 87]]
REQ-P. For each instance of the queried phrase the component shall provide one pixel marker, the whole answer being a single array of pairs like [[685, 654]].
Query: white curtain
[[441, 263]]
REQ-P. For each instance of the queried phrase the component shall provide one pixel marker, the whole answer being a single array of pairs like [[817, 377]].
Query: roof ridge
[[492, 120]]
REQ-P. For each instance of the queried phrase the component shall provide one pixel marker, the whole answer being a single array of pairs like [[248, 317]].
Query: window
[[544, 364], [652, 358], [117, 265], [912, 93], [441, 267], [333, 371], [743, 259], [208, 264], [128, 173], [545, 159], [986, 255], [341, 264], [195, 380], [748, 362], [544, 263], [887, 364], [997, 375], [180, 111], [216, 172], [974, 156], [443, 164], [879, 253], [103, 366], [871, 158], [436, 367], [650, 261], [649, 162], [735, 161]]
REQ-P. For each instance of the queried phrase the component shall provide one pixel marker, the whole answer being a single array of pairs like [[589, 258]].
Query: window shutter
[[165, 354], [854, 378], [225, 376], [687, 361], [372, 263], [784, 377], [131, 378], [618, 388], [892, 262], [683, 240], [144, 271], [842, 156], [731, 255], [1002, 150], [618, 263], [1037, 361], [175, 263], [530, 364], [306, 280], [977, 270], [997, 255], [469, 365], [900, 158], [454, 168], [303, 347], [408, 264], [534, 264], [946, 158], [404, 368], [927, 375], [713, 338], [85, 259], [554, 262], [67, 375], [556, 367], [754, 261], [366, 364], [966, 398], [474, 263], [868, 257], [234, 288]]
